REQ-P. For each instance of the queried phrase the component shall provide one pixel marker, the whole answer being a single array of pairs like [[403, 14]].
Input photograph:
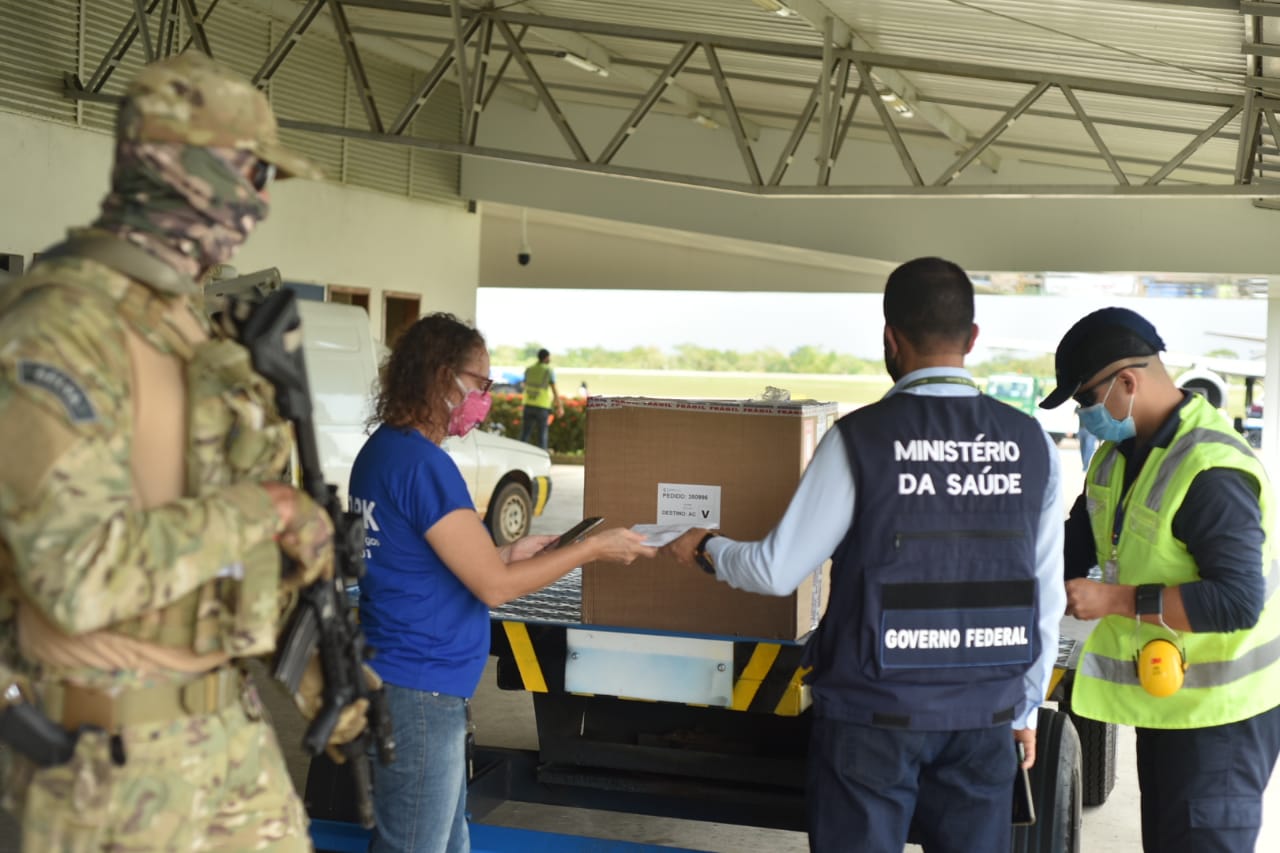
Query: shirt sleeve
[[1080, 553], [84, 552], [815, 521], [1220, 522], [1052, 593], [433, 489]]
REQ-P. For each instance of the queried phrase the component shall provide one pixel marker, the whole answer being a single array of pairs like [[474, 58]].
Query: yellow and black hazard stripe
[[767, 677]]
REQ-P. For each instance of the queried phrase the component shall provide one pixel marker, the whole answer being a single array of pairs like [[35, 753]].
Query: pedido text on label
[[991, 463], [696, 505]]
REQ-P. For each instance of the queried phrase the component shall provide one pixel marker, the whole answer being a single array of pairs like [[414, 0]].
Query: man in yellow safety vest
[[1177, 518], [540, 396]]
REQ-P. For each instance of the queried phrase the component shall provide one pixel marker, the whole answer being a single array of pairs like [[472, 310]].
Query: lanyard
[[940, 380]]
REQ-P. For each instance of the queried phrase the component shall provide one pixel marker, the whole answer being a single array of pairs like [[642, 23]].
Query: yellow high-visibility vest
[[1230, 676], [537, 385]]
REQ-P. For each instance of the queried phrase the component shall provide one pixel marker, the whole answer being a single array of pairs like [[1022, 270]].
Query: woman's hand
[[523, 549], [620, 545]]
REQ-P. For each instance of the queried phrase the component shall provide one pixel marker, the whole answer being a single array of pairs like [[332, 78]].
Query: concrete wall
[[54, 177]]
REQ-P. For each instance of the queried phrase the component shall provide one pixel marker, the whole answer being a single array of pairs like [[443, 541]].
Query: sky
[[846, 323]]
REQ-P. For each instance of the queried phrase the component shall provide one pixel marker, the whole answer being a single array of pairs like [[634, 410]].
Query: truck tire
[[1097, 758], [510, 513], [1097, 754], [1055, 789]]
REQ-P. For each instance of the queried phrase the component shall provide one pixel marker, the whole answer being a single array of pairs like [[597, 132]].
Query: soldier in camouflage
[[142, 512]]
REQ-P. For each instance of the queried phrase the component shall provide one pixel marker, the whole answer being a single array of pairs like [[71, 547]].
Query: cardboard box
[[697, 462]]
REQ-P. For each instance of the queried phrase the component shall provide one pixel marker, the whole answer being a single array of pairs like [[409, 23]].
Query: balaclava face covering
[[189, 206]]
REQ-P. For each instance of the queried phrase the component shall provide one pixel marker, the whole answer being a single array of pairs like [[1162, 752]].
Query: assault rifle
[[324, 621]]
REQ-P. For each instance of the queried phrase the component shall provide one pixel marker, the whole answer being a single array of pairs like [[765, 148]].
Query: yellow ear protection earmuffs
[[1161, 663]]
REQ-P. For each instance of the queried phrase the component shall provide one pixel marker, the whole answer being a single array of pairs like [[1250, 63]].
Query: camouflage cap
[[192, 99]]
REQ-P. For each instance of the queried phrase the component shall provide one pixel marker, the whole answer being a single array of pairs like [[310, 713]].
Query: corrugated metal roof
[[960, 63], [1142, 44]]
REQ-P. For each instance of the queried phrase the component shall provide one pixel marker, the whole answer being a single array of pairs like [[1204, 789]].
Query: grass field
[[847, 390]]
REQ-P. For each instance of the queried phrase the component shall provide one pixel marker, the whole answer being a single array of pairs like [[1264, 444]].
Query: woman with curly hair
[[433, 573]]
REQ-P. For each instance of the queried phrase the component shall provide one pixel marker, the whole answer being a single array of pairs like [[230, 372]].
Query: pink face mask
[[467, 415]]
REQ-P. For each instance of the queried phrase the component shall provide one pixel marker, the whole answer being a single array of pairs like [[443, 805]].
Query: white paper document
[[657, 535]]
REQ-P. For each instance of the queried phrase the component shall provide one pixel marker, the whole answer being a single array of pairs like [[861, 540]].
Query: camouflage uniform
[[138, 546]]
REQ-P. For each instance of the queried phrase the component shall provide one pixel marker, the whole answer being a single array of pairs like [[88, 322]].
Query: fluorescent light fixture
[[888, 96], [774, 7], [704, 120], [583, 63], [903, 109]]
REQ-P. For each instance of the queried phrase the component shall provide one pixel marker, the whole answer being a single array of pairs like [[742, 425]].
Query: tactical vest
[[933, 615], [235, 434], [537, 386], [1230, 676]]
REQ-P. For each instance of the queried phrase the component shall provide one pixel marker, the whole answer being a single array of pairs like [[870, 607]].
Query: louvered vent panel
[[37, 43], [238, 37], [104, 21], [309, 87], [437, 176], [377, 165]]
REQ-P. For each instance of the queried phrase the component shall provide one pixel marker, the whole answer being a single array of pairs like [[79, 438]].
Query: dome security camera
[[524, 256]]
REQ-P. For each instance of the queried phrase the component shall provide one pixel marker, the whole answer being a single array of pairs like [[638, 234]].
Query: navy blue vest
[[932, 620]]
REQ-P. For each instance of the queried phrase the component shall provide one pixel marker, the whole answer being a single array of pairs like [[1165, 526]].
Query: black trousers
[[865, 785], [1202, 788]]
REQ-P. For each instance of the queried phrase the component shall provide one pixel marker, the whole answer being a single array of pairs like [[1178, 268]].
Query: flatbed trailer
[[691, 726]]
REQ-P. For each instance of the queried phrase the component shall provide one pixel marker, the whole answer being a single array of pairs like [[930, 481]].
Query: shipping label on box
[[688, 504]]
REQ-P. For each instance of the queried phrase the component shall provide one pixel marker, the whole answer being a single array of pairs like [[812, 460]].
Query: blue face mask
[[1097, 420]]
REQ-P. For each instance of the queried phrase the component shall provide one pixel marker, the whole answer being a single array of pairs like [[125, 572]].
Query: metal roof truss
[[842, 78]]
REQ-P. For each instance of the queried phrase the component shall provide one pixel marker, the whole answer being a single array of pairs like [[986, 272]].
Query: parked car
[[1250, 426], [509, 480]]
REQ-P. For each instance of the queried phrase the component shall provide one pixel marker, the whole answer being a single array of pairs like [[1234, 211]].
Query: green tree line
[[805, 359]]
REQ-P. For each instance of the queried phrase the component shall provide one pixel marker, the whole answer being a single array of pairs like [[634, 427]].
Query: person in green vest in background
[[1171, 548], [540, 396]]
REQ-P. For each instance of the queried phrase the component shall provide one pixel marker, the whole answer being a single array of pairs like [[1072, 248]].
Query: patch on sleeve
[[57, 382]]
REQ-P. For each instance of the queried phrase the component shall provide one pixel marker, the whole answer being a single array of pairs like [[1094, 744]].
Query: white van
[[510, 481]]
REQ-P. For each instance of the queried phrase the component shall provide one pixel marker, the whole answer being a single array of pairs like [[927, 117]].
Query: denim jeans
[[535, 417], [420, 799]]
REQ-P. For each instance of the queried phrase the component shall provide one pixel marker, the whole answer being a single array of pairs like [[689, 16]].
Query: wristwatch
[[1149, 599], [700, 553]]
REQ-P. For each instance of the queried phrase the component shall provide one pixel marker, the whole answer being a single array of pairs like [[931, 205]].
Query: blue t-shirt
[[427, 629]]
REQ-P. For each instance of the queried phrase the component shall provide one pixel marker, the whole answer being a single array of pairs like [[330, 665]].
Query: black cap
[[1099, 339]]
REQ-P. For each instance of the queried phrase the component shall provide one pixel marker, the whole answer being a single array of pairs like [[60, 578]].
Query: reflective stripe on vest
[[1207, 674]]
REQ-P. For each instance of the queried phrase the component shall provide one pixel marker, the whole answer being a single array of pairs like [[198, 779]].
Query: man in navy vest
[[941, 511]]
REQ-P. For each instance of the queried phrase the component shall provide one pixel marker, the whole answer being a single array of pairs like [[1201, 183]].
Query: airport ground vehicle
[[692, 726], [509, 481], [1024, 393]]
